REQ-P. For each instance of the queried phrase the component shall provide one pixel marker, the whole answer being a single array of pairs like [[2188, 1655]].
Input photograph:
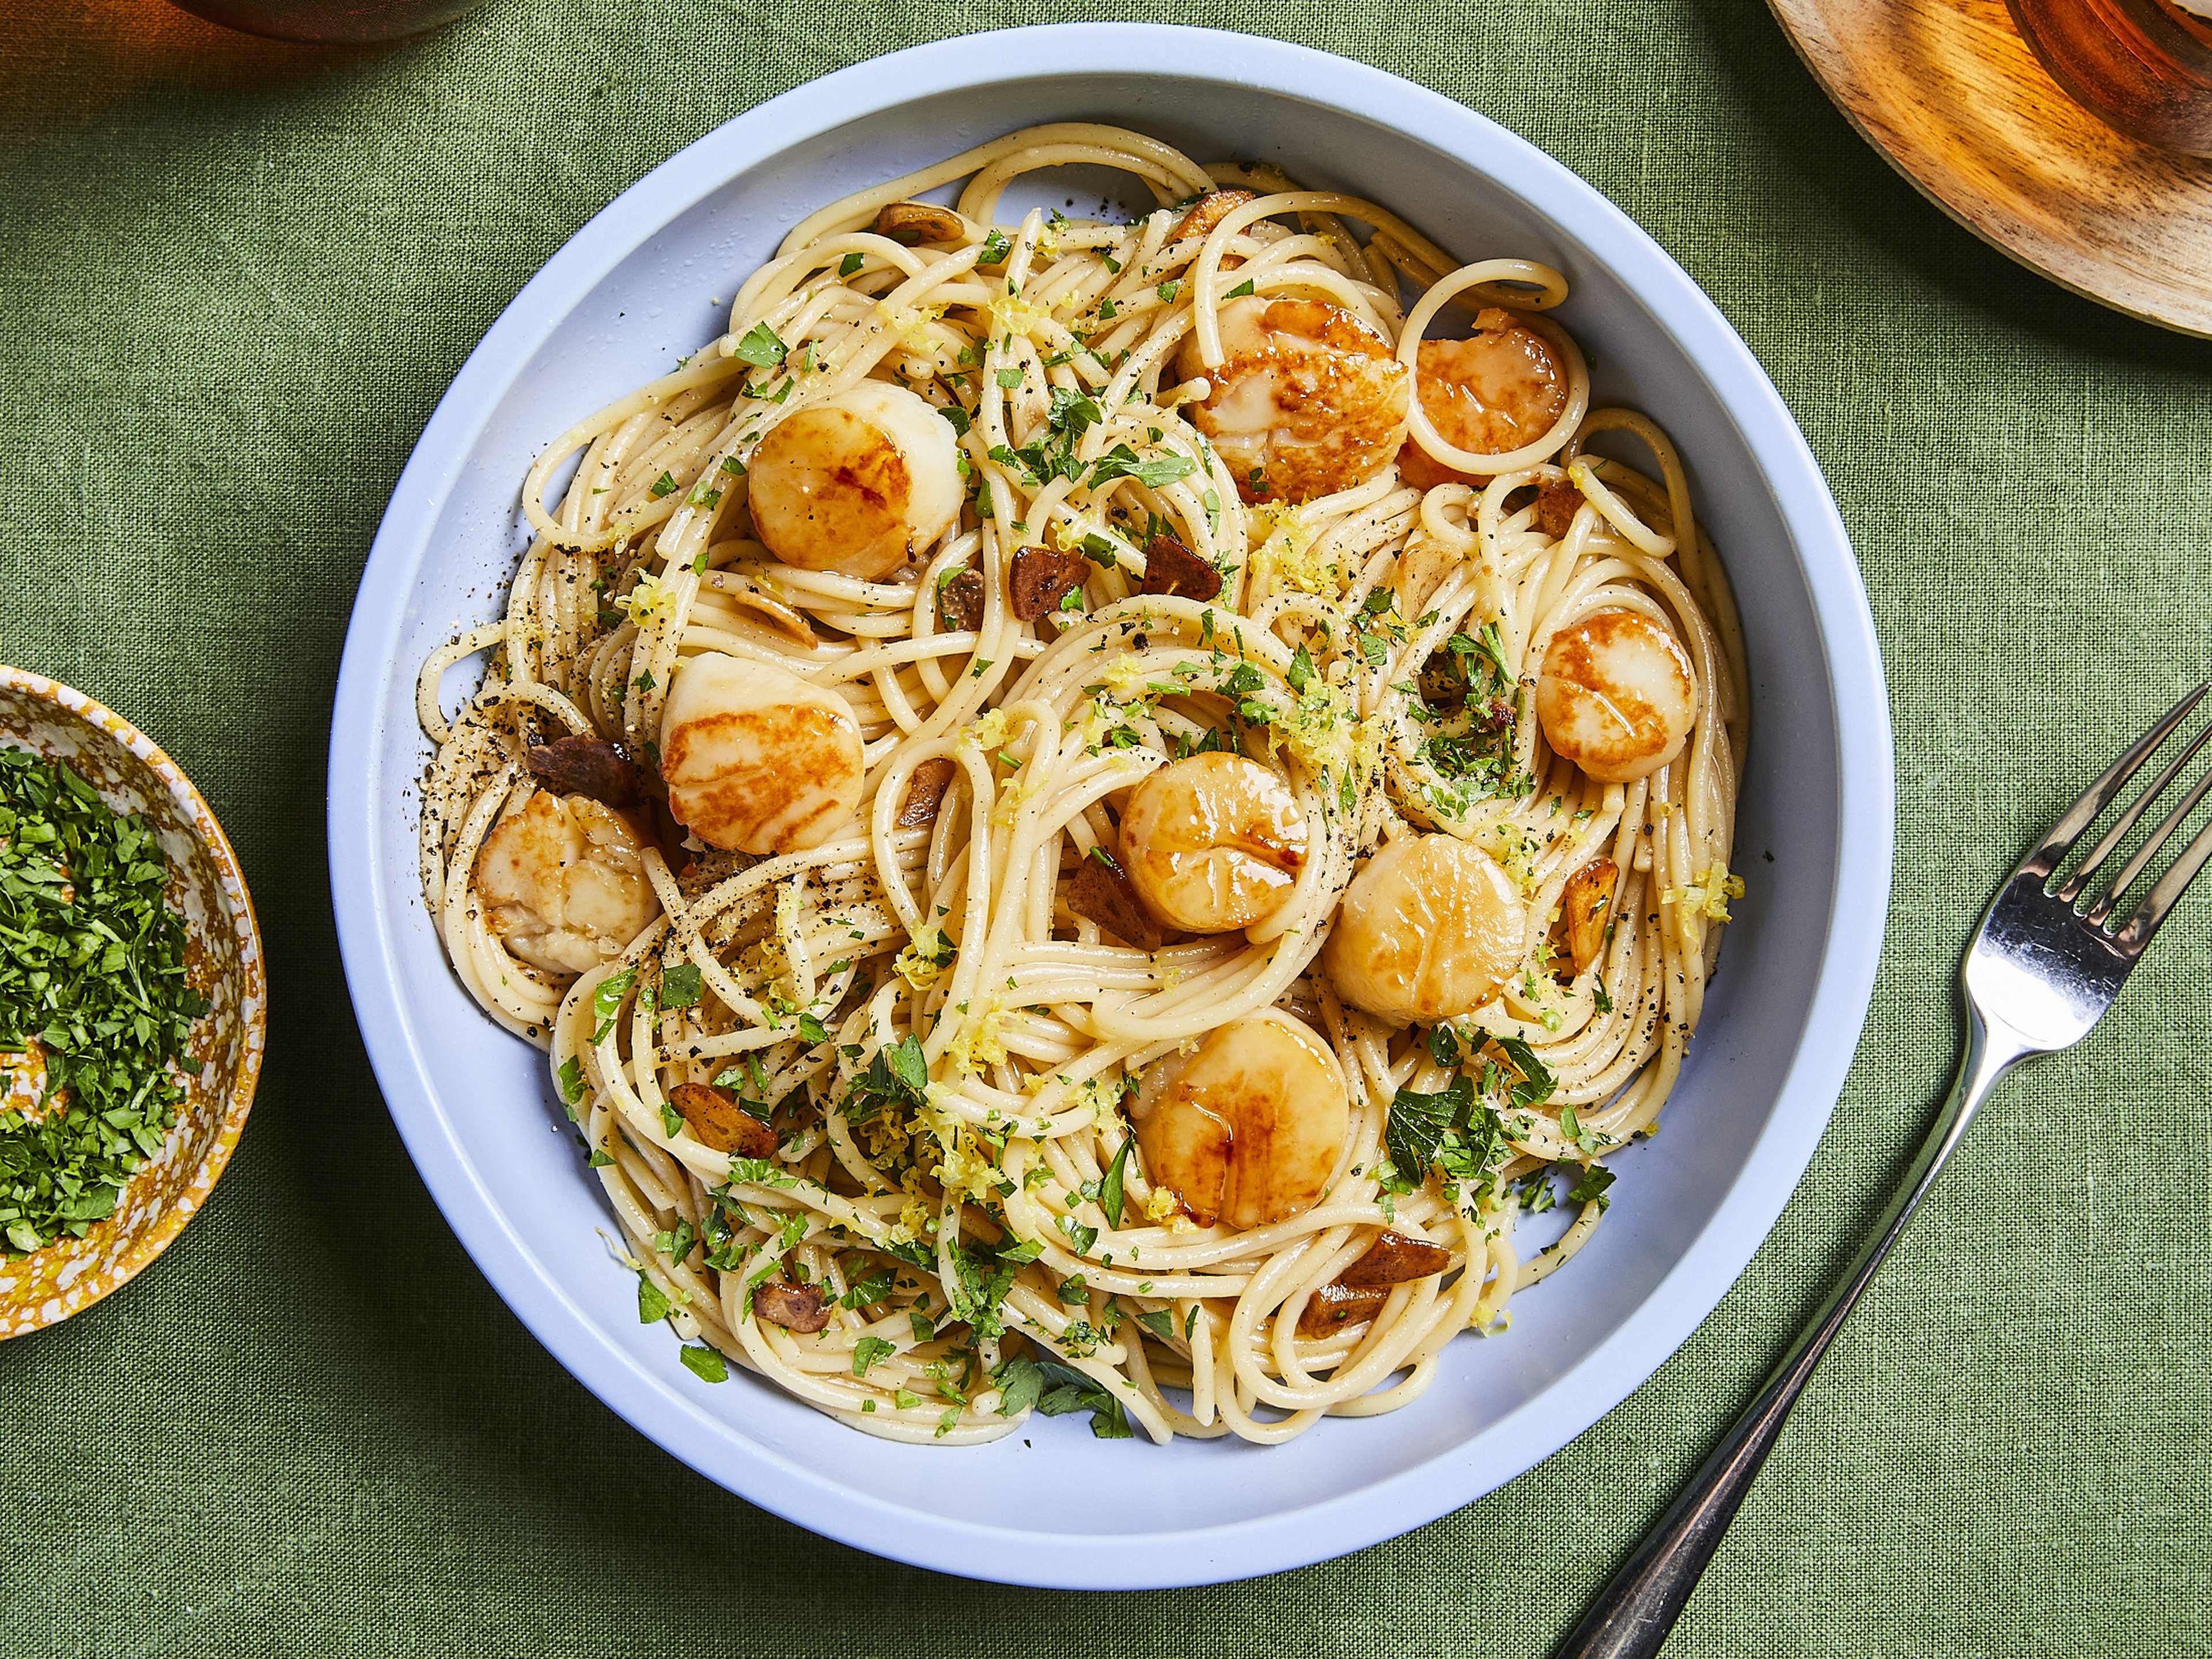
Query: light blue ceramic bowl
[[645, 283]]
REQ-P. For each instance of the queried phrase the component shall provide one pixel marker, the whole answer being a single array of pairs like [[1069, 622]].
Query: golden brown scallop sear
[[960, 602], [925, 792], [757, 760], [858, 483], [1497, 390], [1100, 891], [1616, 695], [1586, 911], [911, 224], [1041, 578], [1307, 401], [1428, 930], [1248, 1129], [1213, 842], [563, 882], [716, 1121], [801, 1307], [587, 765], [1209, 210], [1336, 1307], [1394, 1258], [1172, 570]]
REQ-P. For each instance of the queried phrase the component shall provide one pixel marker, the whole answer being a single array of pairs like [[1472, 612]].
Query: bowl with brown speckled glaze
[[222, 962]]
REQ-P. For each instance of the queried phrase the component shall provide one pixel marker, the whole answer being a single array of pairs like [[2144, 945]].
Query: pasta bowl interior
[[1278, 1136]]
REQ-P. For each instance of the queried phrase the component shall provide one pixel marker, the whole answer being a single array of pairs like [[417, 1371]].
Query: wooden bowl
[[223, 964], [1950, 95]]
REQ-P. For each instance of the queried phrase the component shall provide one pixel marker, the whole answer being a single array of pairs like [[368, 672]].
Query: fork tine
[[2144, 855], [2153, 911], [2053, 848], [2117, 833]]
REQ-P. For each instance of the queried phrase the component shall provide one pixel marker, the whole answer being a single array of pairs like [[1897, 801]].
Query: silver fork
[[2041, 971]]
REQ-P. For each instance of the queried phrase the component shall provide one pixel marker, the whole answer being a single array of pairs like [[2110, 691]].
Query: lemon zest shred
[[1126, 676], [986, 734], [1286, 551], [1013, 315], [650, 602], [979, 1043], [1707, 895]]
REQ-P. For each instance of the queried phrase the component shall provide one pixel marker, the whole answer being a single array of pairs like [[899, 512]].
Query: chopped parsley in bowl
[[132, 1000], [94, 1007]]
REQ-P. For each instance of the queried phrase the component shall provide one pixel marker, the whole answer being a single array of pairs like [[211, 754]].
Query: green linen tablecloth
[[234, 278]]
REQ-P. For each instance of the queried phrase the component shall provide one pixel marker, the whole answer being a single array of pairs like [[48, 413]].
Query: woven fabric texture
[[235, 277]]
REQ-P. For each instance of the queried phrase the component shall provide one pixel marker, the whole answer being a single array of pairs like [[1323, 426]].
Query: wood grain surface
[[1949, 93]]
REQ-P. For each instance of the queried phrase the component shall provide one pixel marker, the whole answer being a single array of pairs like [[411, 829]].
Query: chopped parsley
[[978, 1289], [1456, 1128], [1056, 1390], [607, 999], [1079, 1235], [706, 1364], [761, 347], [1571, 1127], [93, 977], [896, 1079], [1121, 462], [1419, 1121], [1590, 1188], [868, 1350], [1109, 1188], [866, 1292]]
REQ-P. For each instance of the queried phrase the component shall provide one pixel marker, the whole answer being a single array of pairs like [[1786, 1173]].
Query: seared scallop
[[757, 760], [1616, 695], [1246, 1130], [563, 882], [858, 483], [1496, 391], [1428, 930], [1212, 843], [1307, 400]]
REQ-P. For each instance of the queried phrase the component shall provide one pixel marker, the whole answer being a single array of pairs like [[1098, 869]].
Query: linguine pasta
[[885, 1105]]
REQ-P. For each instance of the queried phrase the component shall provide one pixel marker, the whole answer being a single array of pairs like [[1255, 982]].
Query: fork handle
[[1635, 1610]]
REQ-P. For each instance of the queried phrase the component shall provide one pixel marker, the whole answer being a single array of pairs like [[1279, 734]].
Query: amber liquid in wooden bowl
[[2144, 66]]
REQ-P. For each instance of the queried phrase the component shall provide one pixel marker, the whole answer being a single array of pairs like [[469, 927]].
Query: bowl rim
[[1849, 948], [230, 878]]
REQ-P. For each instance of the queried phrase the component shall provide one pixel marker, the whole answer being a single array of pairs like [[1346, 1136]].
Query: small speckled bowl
[[223, 957]]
